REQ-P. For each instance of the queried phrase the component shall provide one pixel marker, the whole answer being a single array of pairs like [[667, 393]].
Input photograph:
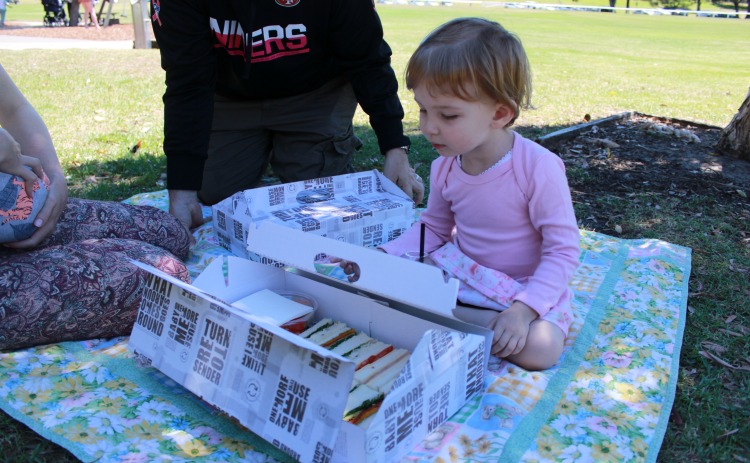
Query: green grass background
[[100, 103], [32, 10]]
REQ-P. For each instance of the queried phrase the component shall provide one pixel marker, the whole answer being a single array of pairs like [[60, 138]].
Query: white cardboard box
[[363, 208], [292, 392]]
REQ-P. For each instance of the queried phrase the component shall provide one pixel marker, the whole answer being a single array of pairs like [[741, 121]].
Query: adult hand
[[184, 205], [398, 170], [14, 163], [46, 220], [512, 329]]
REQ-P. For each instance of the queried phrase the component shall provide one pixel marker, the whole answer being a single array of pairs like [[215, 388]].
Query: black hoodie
[[260, 49]]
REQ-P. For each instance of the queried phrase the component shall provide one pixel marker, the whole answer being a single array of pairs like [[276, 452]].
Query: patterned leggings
[[80, 283]]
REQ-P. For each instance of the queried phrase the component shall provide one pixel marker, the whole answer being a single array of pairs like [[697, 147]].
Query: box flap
[[389, 186], [282, 387], [231, 278], [260, 203], [406, 281], [444, 371]]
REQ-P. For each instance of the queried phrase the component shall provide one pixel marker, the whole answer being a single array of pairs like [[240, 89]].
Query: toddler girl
[[499, 215]]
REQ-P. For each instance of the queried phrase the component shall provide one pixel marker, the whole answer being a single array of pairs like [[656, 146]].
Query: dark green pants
[[302, 137]]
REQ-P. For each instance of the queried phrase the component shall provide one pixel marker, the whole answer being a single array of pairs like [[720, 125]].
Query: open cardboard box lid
[[394, 278]]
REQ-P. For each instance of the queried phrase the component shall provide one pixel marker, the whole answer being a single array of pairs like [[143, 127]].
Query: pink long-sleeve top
[[517, 218]]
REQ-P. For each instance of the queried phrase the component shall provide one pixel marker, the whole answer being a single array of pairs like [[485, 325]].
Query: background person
[[73, 12], [73, 277], [88, 12], [250, 83], [3, 10]]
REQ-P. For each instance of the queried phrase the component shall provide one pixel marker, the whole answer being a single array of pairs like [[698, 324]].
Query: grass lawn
[[99, 104]]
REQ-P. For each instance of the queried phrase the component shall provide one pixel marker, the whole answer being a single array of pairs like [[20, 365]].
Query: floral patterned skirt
[[80, 283], [489, 288]]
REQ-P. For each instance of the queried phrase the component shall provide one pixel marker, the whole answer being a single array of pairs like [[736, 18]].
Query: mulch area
[[111, 32], [646, 156]]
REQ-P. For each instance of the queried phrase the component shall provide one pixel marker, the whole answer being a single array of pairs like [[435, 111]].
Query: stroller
[[54, 14]]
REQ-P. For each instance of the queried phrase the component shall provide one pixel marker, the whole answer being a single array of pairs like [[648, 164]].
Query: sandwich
[[316, 327], [377, 365], [327, 332], [381, 374], [368, 353], [363, 402], [349, 344]]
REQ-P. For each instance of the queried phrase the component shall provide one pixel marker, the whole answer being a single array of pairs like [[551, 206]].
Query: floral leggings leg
[[80, 283]]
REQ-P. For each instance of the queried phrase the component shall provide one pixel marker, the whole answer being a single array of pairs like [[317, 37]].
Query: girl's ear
[[504, 115]]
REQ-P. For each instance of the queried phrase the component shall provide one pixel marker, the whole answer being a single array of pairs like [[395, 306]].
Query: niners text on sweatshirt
[[266, 49]]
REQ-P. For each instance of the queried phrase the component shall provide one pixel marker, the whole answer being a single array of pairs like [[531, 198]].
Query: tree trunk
[[735, 138]]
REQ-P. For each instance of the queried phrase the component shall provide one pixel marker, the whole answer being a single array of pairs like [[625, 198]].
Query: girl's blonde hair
[[473, 58]]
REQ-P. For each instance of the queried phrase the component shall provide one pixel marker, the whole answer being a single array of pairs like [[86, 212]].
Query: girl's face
[[456, 126]]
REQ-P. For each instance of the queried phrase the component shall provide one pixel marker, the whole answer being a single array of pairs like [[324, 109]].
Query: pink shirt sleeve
[[552, 215]]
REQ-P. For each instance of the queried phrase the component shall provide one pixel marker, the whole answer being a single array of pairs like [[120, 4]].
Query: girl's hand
[[14, 163], [511, 328]]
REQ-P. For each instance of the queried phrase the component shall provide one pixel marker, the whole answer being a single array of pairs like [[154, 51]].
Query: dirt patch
[[111, 32], [640, 155], [633, 143]]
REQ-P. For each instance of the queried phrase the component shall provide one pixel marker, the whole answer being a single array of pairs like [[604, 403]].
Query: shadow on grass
[[117, 179], [20, 444]]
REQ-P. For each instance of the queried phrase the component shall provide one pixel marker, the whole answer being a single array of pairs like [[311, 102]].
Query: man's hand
[[398, 170], [512, 329], [184, 205]]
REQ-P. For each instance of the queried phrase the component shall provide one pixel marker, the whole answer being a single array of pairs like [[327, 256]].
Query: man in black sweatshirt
[[256, 81]]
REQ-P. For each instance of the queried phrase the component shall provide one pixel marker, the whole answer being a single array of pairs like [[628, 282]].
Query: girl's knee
[[543, 349]]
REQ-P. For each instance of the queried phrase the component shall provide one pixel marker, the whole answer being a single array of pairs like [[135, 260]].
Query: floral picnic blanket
[[607, 400]]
